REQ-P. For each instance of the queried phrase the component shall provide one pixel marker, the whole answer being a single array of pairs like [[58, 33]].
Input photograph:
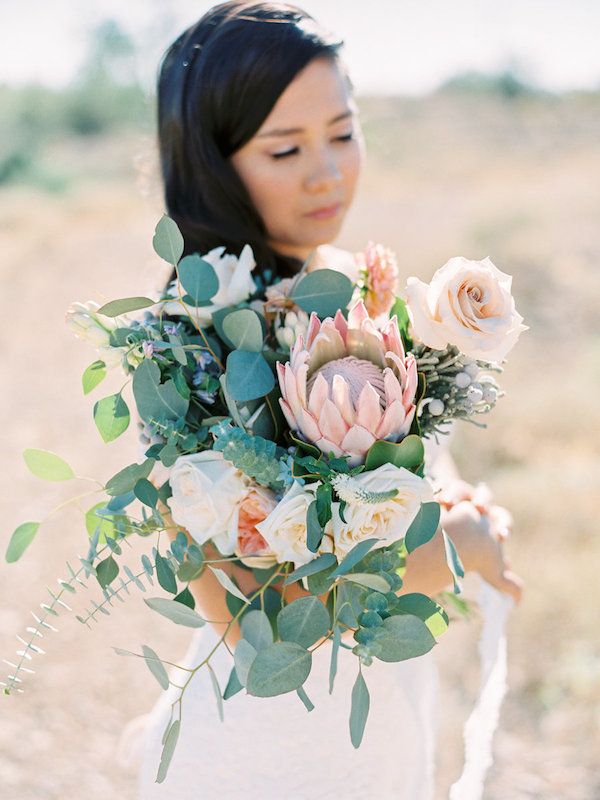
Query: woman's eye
[[345, 138], [292, 151]]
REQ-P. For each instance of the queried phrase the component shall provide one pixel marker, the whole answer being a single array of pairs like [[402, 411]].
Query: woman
[[260, 143]]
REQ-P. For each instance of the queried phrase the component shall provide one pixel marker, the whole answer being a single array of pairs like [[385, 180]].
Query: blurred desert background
[[483, 166]]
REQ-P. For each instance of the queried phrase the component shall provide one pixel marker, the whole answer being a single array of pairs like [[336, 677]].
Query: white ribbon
[[482, 723]]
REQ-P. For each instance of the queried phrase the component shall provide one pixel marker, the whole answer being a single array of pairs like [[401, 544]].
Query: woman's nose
[[324, 175]]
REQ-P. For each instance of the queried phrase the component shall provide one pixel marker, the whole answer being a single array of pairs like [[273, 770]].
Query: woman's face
[[302, 165]]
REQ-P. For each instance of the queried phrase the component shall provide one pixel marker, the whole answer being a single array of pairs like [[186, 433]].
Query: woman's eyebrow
[[290, 131]]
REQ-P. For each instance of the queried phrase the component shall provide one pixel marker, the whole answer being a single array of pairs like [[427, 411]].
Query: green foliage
[[303, 621], [244, 330], [323, 291], [376, 582], [106, 571], [279, 668], [248, 375], [170, 743], [243, 657], [123, 306], [422, 529], [359, 710], [156, 400], [256, 457], [228, 584], [178, 613], [233, 685], [453, 560], [155, 666], [165, 574], [93, 375], [198, 278], [22, 537], [168, 241], [146, 492], [126, 479], [426, 609], [314, 530], [400, 311], [356, 554], [111, 416], [318, 564], [305, 698], [334, 655], [409, 453], [256, 629], [404, 636]]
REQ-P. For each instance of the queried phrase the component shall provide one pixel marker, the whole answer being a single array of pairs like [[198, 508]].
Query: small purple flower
[[172, 330], [205, 396], [203, 358], [148, 349]]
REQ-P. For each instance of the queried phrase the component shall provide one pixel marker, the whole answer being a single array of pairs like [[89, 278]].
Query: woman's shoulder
[[329, 257]]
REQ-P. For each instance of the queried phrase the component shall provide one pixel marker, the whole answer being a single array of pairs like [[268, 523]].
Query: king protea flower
[[349, 384]]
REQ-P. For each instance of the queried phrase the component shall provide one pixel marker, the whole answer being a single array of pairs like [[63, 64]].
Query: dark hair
[[217, 84]]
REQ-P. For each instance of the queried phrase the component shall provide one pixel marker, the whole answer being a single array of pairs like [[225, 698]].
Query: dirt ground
[[447, 176]]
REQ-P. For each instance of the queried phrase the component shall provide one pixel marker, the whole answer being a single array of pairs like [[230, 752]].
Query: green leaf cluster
[[256, 457]]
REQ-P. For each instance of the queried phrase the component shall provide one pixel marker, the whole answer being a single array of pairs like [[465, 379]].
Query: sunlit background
[[482, 123]]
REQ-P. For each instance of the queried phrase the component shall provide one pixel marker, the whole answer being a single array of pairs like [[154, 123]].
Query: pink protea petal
[[314, 326], [287, 413], [408, 420], [365, 345], [318, 394], [308, 426], [357, 441], [393, 388], [281, 376], [392, 421], [399, 365], [392, 338], [368, 410], [291, 390], [327, 446], [341, 325], [331, 422], [412, 380], [340, 394], [301, 375], [327, 346], [357, 314]]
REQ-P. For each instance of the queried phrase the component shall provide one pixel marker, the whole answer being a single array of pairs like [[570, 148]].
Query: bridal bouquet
[[282, 426]]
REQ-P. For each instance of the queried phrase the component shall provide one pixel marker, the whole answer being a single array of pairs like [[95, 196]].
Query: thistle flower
[[349, 385]]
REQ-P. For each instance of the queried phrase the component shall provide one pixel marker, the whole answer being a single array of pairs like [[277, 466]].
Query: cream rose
[[468, 304], [235, 284], [207, 492], [366, 517], [284, 529]]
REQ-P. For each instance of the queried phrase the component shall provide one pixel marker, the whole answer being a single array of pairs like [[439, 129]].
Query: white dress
[[273, 749]]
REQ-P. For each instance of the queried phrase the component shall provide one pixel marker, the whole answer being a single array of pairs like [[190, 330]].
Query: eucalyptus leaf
[[426, 609], [111, 415], [243, 657], [106, 571], [303, 621], [337, 637], [48, 466], [248, 376], [22, 537], [359, 710], [282, 667], [217, 691], [228, 584], [123, 306], [314, 530], [167, 751], [104, 522], [317, 564], [256, 629], [146, 492], [164, 574], [155, 666], [167, 240], [243, 328], [455, 565], [423, 527], [178, 351], [356, 554], [198, 278], [93, 375], [405, 636], [409, 453], [305, 698], [154, 399], [126, 479], [233, 685], [376, 582], [178, 613], [186, 598], [188, 571], [323, 291]]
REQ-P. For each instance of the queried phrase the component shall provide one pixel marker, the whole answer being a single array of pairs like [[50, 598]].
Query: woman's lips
[[326, 212]]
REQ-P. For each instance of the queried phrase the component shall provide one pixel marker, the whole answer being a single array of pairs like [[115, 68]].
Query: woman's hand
[[478, 529]]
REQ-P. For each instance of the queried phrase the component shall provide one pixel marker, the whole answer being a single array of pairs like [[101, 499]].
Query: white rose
[[207, 492], [235, 284], [468, 304], [285, 528], [388, 519], [84, 322]]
